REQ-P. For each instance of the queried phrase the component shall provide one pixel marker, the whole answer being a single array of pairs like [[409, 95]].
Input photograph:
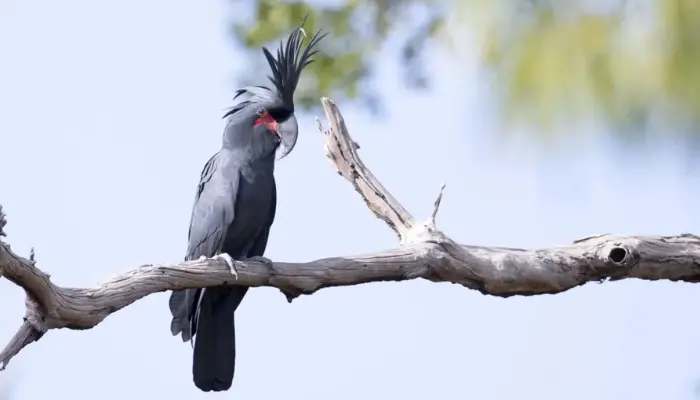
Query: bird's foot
[[229, 262], [263, 260]]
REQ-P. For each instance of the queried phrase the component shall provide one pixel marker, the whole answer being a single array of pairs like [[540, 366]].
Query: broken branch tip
[[438, 200]]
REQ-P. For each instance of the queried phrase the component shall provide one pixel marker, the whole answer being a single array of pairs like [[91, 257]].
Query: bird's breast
[[252, 211]]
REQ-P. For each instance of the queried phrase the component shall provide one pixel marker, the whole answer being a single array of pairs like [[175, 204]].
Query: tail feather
[[176, 301], [178, 309], [214, 358], [181, 304]]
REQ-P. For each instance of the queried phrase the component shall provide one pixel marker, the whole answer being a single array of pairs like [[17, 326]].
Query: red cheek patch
[[268, 121]]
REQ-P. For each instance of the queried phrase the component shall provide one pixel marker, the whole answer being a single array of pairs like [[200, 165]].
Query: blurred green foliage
[[630, 62], [626, 62], [357, 31]]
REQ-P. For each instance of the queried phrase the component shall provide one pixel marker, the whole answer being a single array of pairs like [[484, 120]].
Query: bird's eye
[[261, 112]]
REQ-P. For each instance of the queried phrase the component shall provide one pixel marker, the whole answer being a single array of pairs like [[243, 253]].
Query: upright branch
[[3, 222], [342, 151], [424, 252]]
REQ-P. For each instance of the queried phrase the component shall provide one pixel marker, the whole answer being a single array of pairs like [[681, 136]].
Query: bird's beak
[[287, 131]]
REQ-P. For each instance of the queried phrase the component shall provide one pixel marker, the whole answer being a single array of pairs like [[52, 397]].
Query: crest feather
[[286, 69]]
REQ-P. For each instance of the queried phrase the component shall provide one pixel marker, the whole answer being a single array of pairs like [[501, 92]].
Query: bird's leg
[[290, 294], [263, 260], [229, 261]]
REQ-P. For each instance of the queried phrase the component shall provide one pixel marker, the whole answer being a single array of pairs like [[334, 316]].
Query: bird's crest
[[286, 68]]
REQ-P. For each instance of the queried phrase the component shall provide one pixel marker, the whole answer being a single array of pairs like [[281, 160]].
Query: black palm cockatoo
[[235, 206]]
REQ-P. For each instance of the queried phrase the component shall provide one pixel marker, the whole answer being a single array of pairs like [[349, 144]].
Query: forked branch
[[425, 252]]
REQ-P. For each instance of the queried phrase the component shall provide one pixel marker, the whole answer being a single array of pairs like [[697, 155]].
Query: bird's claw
[[229, 262], [263, 260]]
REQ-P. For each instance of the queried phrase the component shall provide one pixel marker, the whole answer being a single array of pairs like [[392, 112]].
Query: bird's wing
[[213, 211], [212, 214]]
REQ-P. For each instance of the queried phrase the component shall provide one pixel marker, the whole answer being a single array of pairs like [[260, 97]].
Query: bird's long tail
[[214, 358]]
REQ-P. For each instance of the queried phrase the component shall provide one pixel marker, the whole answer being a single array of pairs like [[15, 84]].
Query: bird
[[234, 207]]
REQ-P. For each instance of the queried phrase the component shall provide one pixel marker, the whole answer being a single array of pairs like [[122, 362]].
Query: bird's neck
[[263, 164]]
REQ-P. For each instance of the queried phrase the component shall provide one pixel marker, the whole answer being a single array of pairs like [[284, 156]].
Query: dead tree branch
[[425, 252]]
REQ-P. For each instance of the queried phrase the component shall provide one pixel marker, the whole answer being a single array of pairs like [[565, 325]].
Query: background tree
[[359, 29], [630, 65], [111, 109]]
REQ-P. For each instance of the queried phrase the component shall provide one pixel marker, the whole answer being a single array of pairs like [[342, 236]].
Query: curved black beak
[[288, 132]]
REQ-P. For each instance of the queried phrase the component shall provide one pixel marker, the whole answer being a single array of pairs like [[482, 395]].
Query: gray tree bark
[[423, 252]]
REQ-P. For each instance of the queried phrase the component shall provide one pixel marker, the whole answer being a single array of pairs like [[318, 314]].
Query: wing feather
[[212, 214]]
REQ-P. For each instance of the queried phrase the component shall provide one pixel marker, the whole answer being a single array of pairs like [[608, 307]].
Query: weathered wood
[[424, 252]]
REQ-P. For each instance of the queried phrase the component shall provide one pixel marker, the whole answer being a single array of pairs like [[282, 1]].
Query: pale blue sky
[[110, 109]]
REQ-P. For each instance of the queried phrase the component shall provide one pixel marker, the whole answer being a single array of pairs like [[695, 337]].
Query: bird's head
[[265, 121]]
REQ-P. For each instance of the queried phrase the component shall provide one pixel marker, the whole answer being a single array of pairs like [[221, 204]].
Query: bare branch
[[342, 151], [3, 222], [425, 252], [25, 335], [436, 206]]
